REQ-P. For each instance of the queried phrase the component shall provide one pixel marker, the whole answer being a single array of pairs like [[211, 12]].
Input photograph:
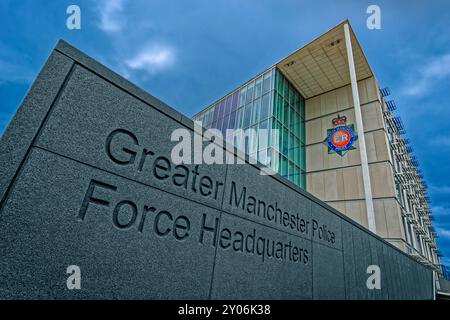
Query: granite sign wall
[[86, 179]]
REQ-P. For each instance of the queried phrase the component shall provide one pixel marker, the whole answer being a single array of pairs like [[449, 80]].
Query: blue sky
[[190, 52]]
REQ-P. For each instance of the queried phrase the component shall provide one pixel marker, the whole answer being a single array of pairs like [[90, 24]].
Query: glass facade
[[274, 109]]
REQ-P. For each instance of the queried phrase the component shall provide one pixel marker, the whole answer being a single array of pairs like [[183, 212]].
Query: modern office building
[[337, 138]]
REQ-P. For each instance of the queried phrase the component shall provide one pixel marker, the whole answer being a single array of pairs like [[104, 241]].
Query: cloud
[[439, 210], [15, 65], [442, 212], [131, 57], [439, 189], [441, 141], [444, 233], [425, 78], [11, 72], [445, 261], [111, 19], [152, 59]]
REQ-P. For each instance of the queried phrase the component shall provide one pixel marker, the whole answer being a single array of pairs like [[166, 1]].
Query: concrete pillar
[[360, 130]]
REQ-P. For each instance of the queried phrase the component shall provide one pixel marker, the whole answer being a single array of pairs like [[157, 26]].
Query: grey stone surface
[[247, 195], [99, 135], [46, 225], [23, 128], [87, 179], [385, 284], [326, 227], [270, 264], [349, 261], [328, 273], [388, 270], [115, 78], [360, 261]]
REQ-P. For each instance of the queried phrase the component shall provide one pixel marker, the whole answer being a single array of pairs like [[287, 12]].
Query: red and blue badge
[[341, 138]]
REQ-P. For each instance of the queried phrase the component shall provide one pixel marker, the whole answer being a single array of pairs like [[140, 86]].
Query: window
[[262, 156], [291, 95], [265, 106], [225, 124], [291, 147], [302, 108], [242, 96], [284, 166], [210, 116], [297, 175], [219, 124], [205, 120], [216, 112], [277, 143], [221, 108], [292, 118], [247, 115], [286, 113], [255, 113], [232, 120], [271, 104], [277, 106], [263, 124], [246, 144], [249, 97], [285, 145], [303, 179], [224, 127], [228, 105], [280, 84], [267, 81], [274, 160], [239, 120], [279, 113], [253, 134], [286, 88], [296, 101], [234, 101], [258, 87], [303, 156], [291, 171], [263, 135], [296, 124], [302, 132], [297, 152]]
